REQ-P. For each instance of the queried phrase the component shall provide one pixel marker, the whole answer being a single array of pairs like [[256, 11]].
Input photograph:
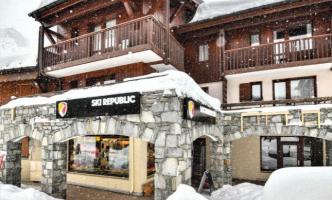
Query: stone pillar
[[227, 163], [54, 169], [12, 171], [217, 163]]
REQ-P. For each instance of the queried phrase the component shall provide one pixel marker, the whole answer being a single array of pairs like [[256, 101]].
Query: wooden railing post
[[41, 49]]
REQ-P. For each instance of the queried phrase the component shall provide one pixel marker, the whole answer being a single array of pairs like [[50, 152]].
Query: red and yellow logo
[[62, 109], [191, 109]]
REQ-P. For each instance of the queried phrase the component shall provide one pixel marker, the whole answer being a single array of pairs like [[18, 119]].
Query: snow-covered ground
[[244, 191], [10, 192], [297, 183]]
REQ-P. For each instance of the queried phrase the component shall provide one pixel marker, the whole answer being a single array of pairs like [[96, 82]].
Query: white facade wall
[[322, 72]]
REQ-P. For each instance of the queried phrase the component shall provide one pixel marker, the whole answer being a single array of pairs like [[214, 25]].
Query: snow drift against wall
[[18, 34], [214, 8]]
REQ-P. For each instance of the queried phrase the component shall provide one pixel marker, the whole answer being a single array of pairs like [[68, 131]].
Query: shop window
[[280, 152], [254, 40], [101, 155], [203, 52], [151, 169], [251, 91], [299, 88], [25, 147]]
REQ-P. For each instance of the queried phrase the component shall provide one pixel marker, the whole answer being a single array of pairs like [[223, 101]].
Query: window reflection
[[103, 155], [302, 88]]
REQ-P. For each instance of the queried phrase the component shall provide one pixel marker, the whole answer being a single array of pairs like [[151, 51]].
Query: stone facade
[[160, 122], [314, 123]]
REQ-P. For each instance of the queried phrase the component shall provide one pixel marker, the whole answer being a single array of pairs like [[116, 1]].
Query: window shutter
[[245, 92], [25, 147]]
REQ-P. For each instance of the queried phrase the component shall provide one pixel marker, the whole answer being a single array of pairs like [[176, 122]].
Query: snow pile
[[184, 86], [18, 34], [185, 192], [299, 183], [244, 191], [214, 8], [10, 192]]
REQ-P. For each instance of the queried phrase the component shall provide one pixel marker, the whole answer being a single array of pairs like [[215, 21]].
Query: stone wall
[[315, 123], [160, 122]]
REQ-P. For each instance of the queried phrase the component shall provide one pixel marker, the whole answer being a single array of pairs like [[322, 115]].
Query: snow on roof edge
[[205, 19], [183, 85]]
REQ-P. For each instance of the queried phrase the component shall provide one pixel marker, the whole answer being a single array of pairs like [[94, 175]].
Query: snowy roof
[[216, 8], [184, 86], [18, 34]]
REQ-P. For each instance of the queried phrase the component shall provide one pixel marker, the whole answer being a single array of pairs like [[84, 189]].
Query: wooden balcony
[[304, 51], [142, 40]]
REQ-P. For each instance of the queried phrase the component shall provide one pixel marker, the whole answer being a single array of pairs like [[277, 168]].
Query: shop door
[[290, 155], [199, 161]]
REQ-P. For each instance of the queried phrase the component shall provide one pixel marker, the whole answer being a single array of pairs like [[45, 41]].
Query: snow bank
[[244, 191], [44, 3], [18, 34], [214, 8], [10, 192], [185, 192], [299, 183], [184, 86]]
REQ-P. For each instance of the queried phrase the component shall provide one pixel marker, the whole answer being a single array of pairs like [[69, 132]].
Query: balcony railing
[[278, 54], [141, 34], [285, 102]]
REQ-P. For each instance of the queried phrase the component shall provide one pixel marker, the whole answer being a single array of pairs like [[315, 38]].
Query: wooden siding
[[120, 73], [17, 89]]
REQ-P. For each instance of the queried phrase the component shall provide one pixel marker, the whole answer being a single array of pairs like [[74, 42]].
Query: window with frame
[[102, 155], [297, 88], [254, 39], [203, 52], [280, 152], [251, 91]]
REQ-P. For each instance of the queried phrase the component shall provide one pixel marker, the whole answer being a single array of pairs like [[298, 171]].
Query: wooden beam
[[58, 8], [58, 35], [83, 10], [49, 37], [41, 48], [129, 9], [156, 7], [177, 11]]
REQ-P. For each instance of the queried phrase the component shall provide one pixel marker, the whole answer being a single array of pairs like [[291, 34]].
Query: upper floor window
[[110, 34], [251, 91], [254, 39], [298, 88], [203, 52], [97, 39]]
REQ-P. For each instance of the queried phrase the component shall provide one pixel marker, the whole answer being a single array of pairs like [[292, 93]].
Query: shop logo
[[191, 109], [62, 109]]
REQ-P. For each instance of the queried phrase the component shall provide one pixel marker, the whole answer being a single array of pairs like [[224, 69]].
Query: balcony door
[[279, 47], [97, 37], [110, 35]]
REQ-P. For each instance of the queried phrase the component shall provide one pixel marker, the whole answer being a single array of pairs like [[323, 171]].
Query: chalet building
[[264, 55], [108, 122]]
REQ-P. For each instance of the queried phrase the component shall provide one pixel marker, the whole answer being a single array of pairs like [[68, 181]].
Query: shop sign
[[120, 104], [193, 110]]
